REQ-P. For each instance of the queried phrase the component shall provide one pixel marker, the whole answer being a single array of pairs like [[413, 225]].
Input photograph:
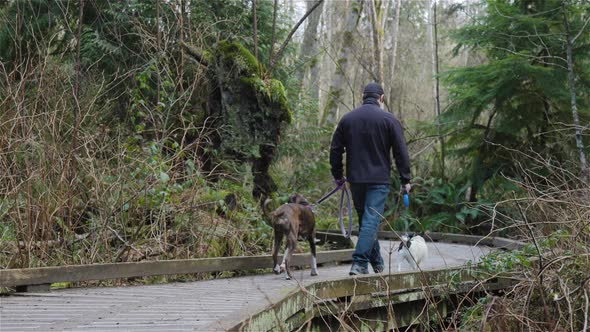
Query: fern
[[518, 99]]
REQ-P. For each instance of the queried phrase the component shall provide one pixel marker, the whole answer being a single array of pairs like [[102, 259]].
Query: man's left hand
[[340, 182]]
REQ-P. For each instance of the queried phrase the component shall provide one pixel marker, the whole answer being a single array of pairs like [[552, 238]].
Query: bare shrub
[[553, 271]]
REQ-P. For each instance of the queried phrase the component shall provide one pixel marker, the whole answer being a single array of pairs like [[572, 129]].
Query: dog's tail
[[266, 208], [276, 217], [279, 215], [280, 219]]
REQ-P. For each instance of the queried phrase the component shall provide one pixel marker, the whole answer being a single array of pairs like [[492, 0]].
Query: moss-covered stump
[[250, 111]]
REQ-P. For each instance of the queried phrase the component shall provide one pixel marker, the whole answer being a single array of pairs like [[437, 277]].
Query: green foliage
[[252, 113], [135, 181], [510, 261], [6, 229], [232, 20], [443, 206], [518, 100], [27, 22], [472, 316], [259, 106], [498, 261]]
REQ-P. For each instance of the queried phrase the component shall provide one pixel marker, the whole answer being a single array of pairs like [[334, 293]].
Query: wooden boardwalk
[[212, 305]]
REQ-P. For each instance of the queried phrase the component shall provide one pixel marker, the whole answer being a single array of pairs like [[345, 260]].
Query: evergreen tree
[[518, 99]]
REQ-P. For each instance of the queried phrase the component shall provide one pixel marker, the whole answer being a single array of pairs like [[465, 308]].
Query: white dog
[[412, 250]]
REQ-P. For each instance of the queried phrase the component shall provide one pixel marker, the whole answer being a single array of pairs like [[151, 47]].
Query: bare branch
[[195, 53], [288, 39], [581, 30]]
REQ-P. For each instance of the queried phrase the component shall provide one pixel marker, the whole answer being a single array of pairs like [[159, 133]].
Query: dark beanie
[[373, 88]]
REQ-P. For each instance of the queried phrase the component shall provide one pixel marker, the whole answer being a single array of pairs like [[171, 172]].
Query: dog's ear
[[293, 198], [301, 200], [298, 199]]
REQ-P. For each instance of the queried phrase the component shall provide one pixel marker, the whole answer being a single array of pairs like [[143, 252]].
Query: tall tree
[[255, 29], [433, 36], [339, 80], [376, 18], [273, 32], [393, 62], [572, 90], [309, 50], [518, 99], [281, 49]]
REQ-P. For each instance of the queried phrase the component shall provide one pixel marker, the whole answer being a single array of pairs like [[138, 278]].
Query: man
[[367, 135]]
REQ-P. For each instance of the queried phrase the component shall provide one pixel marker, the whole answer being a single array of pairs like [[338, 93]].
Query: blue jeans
[[369, 202]]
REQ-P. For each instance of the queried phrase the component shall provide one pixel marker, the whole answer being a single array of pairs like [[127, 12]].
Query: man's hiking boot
[[378, 268], [357, 269]]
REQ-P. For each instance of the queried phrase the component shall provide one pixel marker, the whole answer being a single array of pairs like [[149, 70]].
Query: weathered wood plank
[[75, 273], [207, 305], [365, 292]]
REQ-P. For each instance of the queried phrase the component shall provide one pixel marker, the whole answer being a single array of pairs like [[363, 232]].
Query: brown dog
[[295, 221]]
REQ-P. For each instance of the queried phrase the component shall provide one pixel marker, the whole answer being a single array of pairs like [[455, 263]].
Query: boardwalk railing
[[39, 279], [76, 273]]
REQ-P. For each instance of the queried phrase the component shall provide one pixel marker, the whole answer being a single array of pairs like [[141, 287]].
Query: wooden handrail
[[76, 273]]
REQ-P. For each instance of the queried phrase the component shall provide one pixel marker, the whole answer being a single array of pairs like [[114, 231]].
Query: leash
[[342, 187]]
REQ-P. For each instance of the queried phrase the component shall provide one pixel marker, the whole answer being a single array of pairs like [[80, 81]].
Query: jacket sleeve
[[337, 148], [400, 152]]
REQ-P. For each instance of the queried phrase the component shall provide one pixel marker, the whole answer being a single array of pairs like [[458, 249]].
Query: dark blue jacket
[[367, 135]]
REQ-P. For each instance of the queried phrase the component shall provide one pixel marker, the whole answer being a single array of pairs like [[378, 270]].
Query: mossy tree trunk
[[247, 111]]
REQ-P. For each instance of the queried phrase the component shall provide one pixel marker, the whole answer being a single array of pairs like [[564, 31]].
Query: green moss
[[273, 92], [233, 52], [255, 112], [207, 56], [314, 61], [255, 83], [278, 95], [204, 54], [347, 38]]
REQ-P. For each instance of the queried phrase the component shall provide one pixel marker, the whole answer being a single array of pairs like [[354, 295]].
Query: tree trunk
[[158, 48], [336, 90], [309, 49], [72, 164], [572, 88], [274, 29], [395, 39], [435, 84], [181, 42], [255, 29], [290, 35], [375, 15]]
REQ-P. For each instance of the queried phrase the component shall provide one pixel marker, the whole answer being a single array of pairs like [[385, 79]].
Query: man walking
[[367, 135]]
